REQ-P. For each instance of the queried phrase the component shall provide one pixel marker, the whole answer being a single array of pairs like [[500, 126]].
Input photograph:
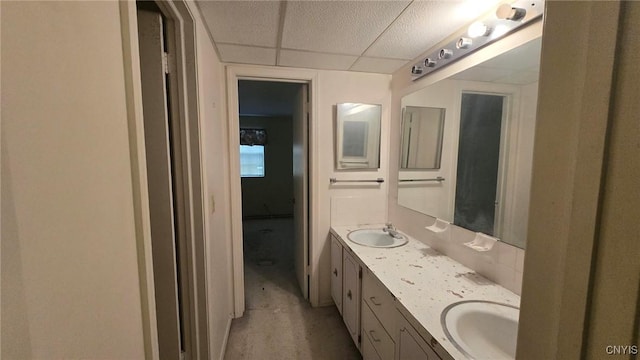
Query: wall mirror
[[486, 146], [421, 143], [357, 137]]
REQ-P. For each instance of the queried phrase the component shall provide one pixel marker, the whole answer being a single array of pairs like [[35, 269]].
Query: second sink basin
[[375, 238], [482, 329]]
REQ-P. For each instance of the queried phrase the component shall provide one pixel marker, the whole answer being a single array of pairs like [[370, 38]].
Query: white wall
[[337, 87], [70, 283], [213, 127]]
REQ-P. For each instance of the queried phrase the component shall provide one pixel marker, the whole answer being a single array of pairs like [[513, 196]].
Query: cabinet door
[[336, 272], [351, 296], [411, 346]]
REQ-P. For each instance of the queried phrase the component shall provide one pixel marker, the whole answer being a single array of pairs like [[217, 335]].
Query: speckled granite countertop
[[424, 281]]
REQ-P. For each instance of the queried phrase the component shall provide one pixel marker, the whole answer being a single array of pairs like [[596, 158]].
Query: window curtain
[[253, 137]]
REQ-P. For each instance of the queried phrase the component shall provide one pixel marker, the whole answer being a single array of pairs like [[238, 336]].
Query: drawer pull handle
[[349, 294], [335, 272], [373, 301], [373, 337], [433, 342]]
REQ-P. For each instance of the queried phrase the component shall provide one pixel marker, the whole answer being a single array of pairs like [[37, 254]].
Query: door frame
[[239, 72], [186, 111]]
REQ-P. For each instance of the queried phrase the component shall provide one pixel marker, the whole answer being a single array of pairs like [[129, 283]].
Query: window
[[252, 160], [252, 142]]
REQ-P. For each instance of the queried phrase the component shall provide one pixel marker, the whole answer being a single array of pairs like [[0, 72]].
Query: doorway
[[273, 175], [173, 182], [272, 182]]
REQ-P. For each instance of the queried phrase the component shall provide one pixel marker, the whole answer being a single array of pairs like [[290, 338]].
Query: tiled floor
[[278, 323]]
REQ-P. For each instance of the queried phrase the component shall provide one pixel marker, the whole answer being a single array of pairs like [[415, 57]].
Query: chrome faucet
[[389, 228]]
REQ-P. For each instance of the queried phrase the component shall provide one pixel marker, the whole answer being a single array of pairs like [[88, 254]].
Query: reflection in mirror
[[421, 145], [487, 146], [358, 136], [481, 118]]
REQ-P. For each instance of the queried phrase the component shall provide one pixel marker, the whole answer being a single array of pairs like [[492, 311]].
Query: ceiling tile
[[523, 57], [378, 65], [424, 24], [247, 54], [520, 78], [481, 73], [316, 60], [243, 22], [342, 27]]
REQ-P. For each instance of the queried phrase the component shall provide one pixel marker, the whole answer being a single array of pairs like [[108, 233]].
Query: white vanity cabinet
[[411, 346], [346, 275], [378, 315], [336, 272], [351, 295]]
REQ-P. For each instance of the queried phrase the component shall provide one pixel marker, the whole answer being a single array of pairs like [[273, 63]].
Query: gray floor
[[278, 323]]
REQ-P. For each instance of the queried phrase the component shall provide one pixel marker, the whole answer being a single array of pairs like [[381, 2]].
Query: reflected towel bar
[[439, 179], [334, 180]]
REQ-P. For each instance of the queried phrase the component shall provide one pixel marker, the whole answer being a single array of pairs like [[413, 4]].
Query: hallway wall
[[215, 162], [273, 193], [70, 283], [70, 275]]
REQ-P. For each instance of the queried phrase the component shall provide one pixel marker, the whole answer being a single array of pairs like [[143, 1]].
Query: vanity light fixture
[[506, 19], [507, 12], [464, 43]]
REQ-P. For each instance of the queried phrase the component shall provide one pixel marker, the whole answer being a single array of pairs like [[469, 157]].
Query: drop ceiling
[[366, 36], [520, 66]]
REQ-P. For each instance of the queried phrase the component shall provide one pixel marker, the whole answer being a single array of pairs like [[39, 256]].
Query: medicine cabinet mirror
[[485, 142], [358, 136], [421, 145]]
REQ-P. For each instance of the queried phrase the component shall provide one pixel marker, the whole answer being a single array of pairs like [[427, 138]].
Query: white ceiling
[[520, 66], [369, 36]]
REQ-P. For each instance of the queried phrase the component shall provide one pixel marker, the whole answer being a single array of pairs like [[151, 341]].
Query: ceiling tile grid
[[377, 65], [247, 54], [339, 27], [366, 36], [242, 22], [312, 60]]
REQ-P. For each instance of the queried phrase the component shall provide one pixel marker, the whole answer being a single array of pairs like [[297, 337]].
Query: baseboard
[[265, 217], [226, 339], [326, 303]]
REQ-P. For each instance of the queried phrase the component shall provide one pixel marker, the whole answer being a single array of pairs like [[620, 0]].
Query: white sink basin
[[482, 329], [376, 238]]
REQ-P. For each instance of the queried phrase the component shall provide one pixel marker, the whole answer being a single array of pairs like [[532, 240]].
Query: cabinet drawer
[[377, 334], [379, 300], [411, 346], [368, 351]]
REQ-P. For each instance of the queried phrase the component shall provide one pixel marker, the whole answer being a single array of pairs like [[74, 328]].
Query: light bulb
[[499, 31], [445, 54], [506, 12], [428, 62], [464, 43], [478, 29]]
